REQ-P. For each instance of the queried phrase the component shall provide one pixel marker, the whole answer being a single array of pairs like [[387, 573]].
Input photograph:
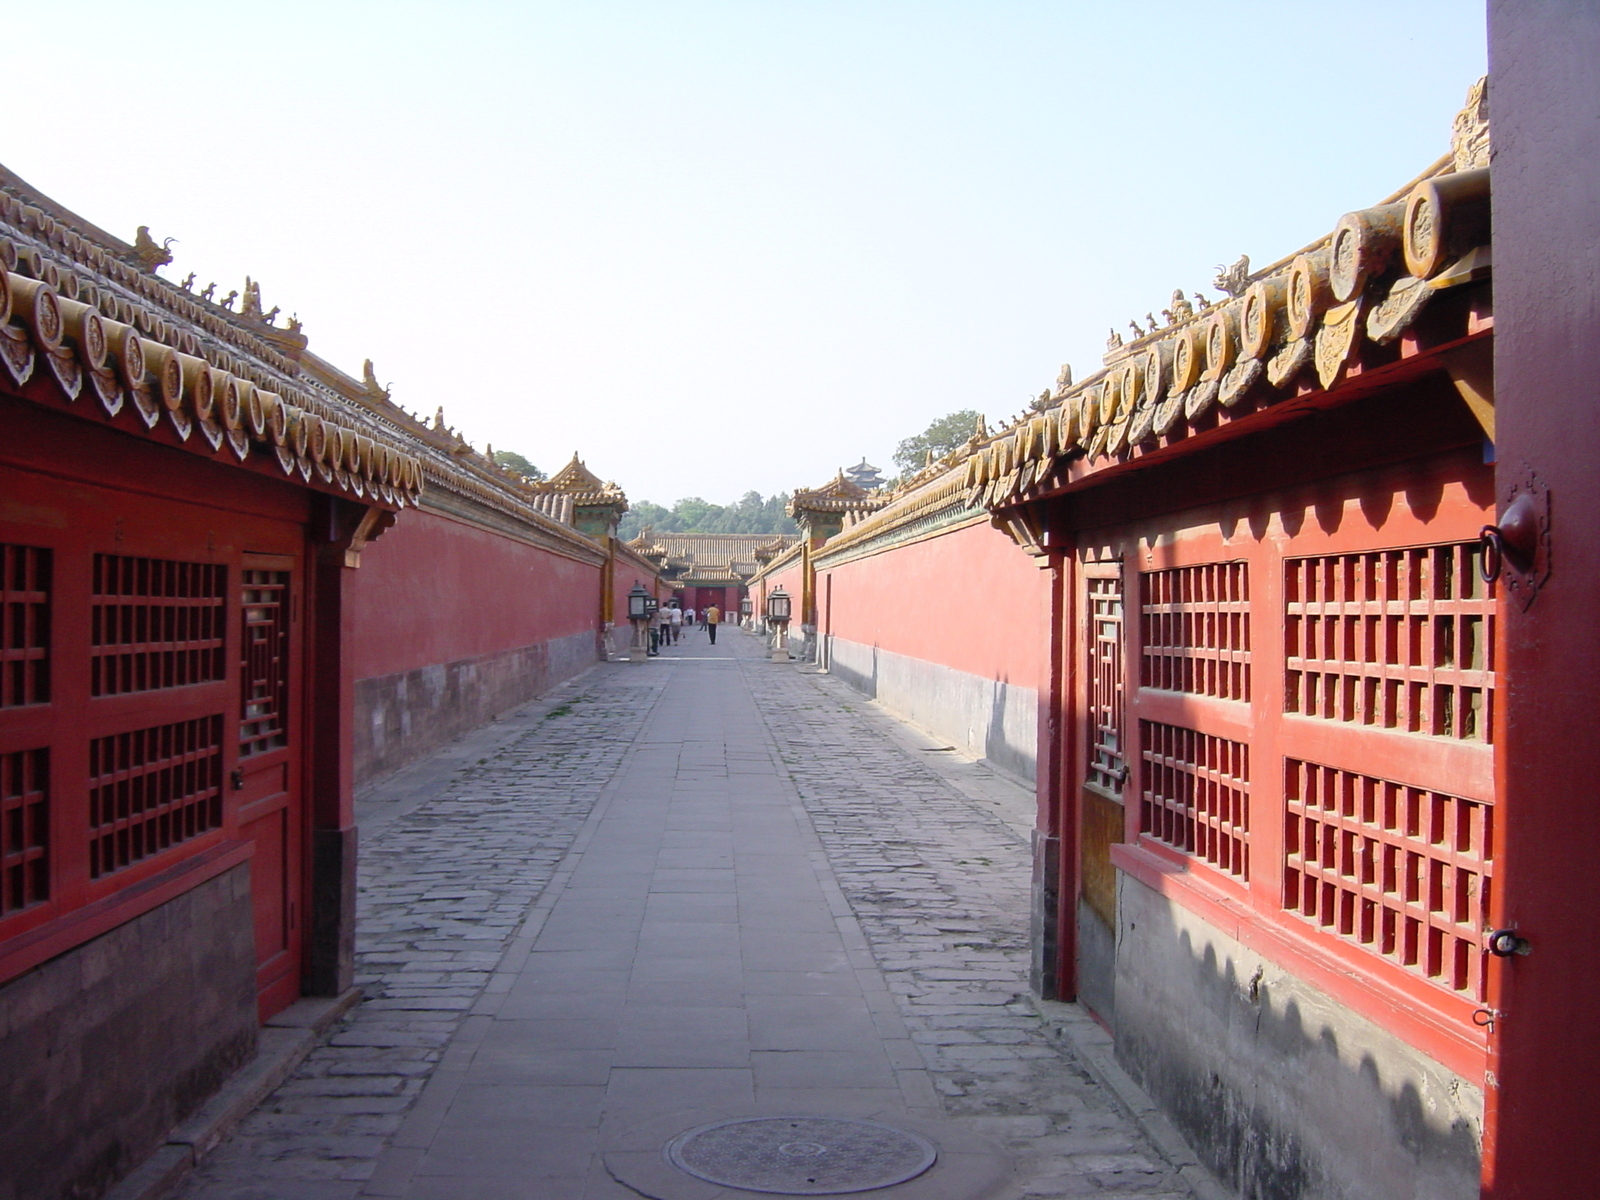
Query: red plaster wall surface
[[627, 573], [432, 590], [969, 600], [725, 598], [792, 580]]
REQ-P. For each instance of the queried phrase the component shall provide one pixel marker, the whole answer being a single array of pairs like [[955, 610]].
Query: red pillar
[[1055, 843], [329, 785], [1545, 122]]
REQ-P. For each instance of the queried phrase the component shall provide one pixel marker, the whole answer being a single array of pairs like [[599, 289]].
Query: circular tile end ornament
[[801, 1156]]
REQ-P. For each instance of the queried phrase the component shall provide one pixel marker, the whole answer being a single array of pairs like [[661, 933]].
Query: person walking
[[677, 624], [664, 625], [688, 619], [713, 619]]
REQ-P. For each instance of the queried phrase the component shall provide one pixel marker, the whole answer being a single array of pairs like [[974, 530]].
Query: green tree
[[943, 436], [696, 515], [751, 513], [513, 461], [639, 515]]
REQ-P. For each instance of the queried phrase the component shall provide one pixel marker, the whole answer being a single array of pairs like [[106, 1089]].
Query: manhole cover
[[801, 1156]]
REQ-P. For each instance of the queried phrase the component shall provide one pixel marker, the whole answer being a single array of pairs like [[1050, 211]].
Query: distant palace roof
[[711, 558], [582, 484], [839, 494]]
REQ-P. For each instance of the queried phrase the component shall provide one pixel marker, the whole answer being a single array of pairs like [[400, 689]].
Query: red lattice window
[[1398, 639], [1195, 630], [1107, 764], [1401, 871], [24, 829], [155, 624], [1196, 796], [24, 626], [265, 678], [151, 789]]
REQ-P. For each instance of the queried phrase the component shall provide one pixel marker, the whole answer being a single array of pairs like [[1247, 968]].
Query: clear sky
[[717, 245]]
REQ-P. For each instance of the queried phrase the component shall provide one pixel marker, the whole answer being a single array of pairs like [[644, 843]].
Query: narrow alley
[[679, 894]]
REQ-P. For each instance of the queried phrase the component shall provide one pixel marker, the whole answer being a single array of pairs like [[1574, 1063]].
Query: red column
[[329, 785], [1540, 1137], [1055, 844]]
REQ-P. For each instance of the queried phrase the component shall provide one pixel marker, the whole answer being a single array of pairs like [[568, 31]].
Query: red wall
[[970, 600], [432, 590], [792, 580], [725, 598], [628, 571]]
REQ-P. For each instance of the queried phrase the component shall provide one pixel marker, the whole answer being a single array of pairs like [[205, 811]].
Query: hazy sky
[[716, 246]]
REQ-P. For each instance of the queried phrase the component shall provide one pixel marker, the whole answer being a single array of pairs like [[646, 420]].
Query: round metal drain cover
[[801, 1156]]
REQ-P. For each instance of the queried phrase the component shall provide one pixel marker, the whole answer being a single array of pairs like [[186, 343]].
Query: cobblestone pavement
[[941, 887], [446, 879], [935, 876]]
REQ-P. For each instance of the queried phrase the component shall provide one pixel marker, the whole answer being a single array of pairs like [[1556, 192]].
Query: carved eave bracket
[[1471, 369], [1025, 526], [352, 527]]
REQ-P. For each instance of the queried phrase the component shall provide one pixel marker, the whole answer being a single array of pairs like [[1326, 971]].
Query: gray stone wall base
[[402, 717], [1093, 1047], [284, 1042], [332, 952], [105, 1048], [1283, 1092], [986, 718], [1044, 935], [1097, 965]]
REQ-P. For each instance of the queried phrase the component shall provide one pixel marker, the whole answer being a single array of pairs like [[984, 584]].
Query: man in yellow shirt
[[713, 618]]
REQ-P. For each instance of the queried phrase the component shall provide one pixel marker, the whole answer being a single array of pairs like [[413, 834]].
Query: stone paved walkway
[[675, 893]]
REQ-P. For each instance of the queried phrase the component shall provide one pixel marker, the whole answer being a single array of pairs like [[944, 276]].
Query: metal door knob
[[1503, 943]]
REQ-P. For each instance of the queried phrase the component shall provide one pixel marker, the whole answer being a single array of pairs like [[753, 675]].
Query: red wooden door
[[267, 780]]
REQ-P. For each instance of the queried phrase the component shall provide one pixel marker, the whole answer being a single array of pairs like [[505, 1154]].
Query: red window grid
[[24, 829], [1400, 871], [1396, 639], [1107, 768], [24, 625], [1196, 795], [1195, 630], [265, 678], [156, 624], [151, 789]]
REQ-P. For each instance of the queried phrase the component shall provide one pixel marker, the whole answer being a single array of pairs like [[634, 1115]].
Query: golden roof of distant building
[[711, 557]]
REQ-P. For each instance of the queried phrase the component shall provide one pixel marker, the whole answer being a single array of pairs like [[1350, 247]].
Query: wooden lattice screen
[[24, 625], [155, 624], [150, 789], [1107, 766], [1196, 795], [24, 829], [1400, 871], [1379, 839], [1400, 639], [25, 584], [265, 680], [1195, 630]]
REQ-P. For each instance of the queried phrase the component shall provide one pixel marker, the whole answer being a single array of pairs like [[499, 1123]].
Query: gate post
[[1539, 1139], [330, 933]]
